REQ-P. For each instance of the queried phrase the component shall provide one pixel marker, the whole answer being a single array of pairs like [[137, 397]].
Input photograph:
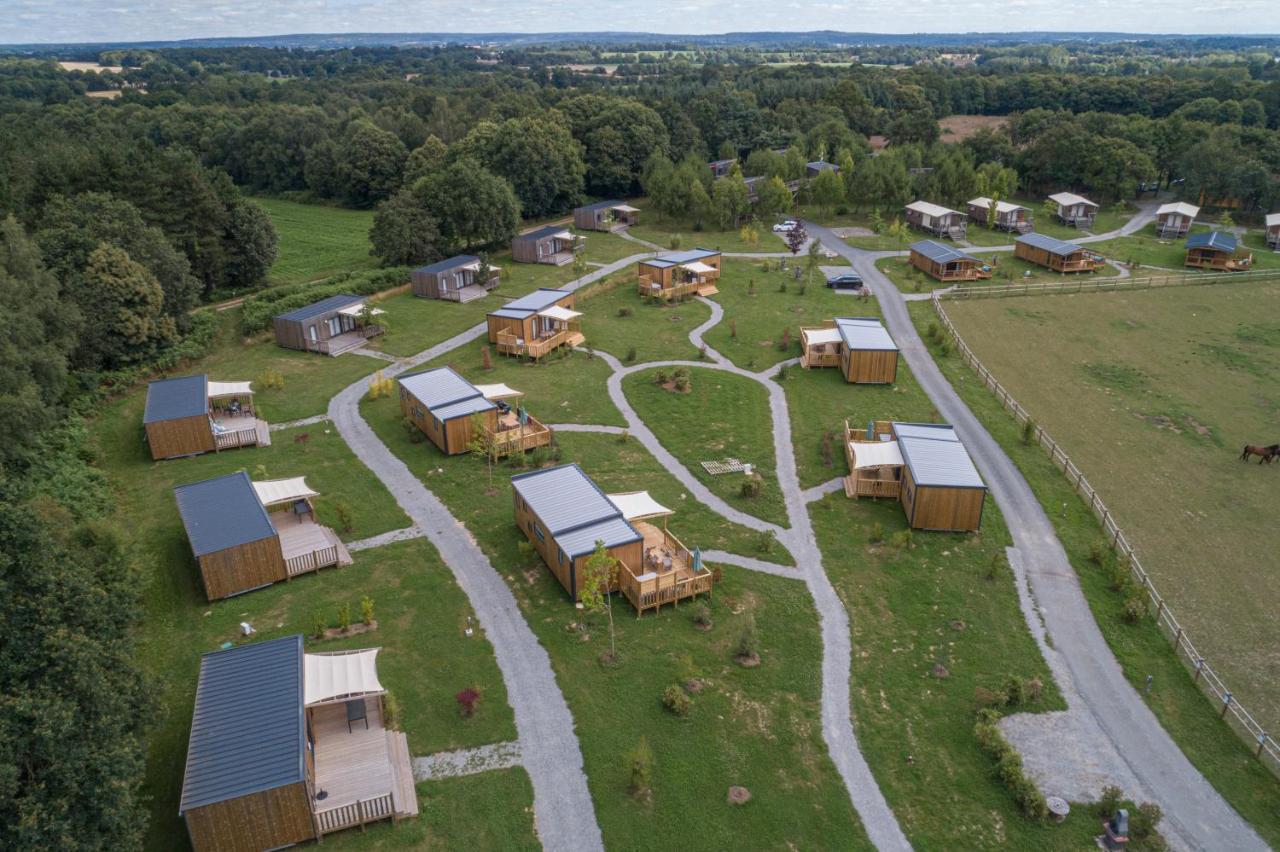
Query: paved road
[[1195, 815]]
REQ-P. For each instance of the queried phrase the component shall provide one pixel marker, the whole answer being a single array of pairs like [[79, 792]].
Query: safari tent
[[936, 219], [1073, 210], [1174, 219], [1009, 216]]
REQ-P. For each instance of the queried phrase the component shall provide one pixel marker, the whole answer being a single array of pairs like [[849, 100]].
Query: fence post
[[1262, 741], [1199, 666], [1226, 704]]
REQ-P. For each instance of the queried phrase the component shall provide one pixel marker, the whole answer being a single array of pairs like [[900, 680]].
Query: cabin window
[[437, 423], [537, 531], [335, 326], [560, 553], [311, 332]]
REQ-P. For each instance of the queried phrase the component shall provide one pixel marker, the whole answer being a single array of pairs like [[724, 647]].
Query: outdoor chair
[[357, 712]]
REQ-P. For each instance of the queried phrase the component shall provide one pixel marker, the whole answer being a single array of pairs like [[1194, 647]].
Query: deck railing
[[238, 438], [676, 291], [326, 346], [859, 486], [506, 442], [311, 561], [451, 295], [356, 813], [652, 589], [510, 344]]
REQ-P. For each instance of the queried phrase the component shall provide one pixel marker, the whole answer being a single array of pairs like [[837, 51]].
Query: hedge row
[[261, 307], [1009, 765]]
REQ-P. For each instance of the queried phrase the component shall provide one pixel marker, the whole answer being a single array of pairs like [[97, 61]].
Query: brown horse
[[1264, 454]]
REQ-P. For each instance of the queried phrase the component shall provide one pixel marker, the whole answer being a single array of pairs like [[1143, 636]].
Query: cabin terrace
[[1217, 251], [330, 326], [536, 324], [1008, 216], [1058, 255], [451, 411], [462, 278], [191, 415], [551, 244], [679, 274]]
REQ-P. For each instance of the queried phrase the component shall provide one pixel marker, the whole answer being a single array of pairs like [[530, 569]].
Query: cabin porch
[[1217, 261], [564, 334], [345, 342], [306, 545], [469, 293], [238, 430], [559, 251], [509, 436], [876, 480], [668, 574], [363, 772], [1082, 263], [704, 286]]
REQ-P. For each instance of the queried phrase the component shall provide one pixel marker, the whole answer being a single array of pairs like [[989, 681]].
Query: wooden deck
[[687, 290], [510, 344], [511, 438], [346, 341], [365, 771], [242, 431], [469, 293], [667, 575], [308, 546]]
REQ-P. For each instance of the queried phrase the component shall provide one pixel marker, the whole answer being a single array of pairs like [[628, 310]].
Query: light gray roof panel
[[248, 732], [1053, 245], [939, 253], [543, 297], [463, 408], [445, 394], [322, 307], [865, 333], [564, 498], [582, 540], [173, 399], [448, 263], [222, 512], [935, 456]]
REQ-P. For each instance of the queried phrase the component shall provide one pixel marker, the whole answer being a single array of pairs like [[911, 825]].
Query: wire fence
[[1109, 285], [1203, 674]]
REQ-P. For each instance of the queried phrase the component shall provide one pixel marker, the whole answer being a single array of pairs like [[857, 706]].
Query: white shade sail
[[556, 312], [274, 491], [698, 267], [876, 454], [219, 389], [638, 505], [563, 235], [340, 676], [819, 336], [625, 208], [498, 391], [358, 310]]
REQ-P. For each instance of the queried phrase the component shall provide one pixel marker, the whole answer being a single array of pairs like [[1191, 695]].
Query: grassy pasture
[[317, 241], [1153, 393], [1007, 270], [1146, 249]]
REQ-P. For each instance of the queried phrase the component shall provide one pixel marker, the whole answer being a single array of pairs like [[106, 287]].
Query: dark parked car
[[848, 281]]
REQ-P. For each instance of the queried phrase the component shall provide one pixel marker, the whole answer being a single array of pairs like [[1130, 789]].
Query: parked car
[[847, 281], [789, 225]]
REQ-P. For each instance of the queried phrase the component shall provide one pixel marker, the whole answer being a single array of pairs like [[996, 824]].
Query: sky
[[44, 21]]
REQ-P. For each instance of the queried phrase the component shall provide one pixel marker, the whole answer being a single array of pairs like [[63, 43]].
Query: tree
[[729, 200], [796, 238], [40, 332], [536, 154], [812, 260], [129, 324], [900, 231], [423, 160], [698, 204], [772, 198], [482, 445], [598, 576], [864, 183], [404, 232], [827, 190], [250, 240], [368, 164], [640, 768], [472, 207]]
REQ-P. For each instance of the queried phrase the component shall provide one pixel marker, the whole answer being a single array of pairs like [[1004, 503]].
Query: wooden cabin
[[679, 274], [1074, 211], [1058, 255], [564, 514], [720, 168], [925, 466], [330, 326], [461, 278], [947, 264], [605, 216], [246, 535], [445, 406], [549, 244], [1010, 217], [536, 324], [287, 746], [937, 220], [191, 415], [817, 167], [868, 354], [1217, 251], [1273, 231], [1173, 220]]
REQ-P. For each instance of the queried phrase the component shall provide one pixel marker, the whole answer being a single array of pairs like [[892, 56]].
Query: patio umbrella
[[697, 559]]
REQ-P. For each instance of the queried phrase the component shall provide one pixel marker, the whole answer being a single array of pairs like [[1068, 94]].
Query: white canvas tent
[[340, 676], [638, 505], [273, 491], [221, 389], [625, 208]]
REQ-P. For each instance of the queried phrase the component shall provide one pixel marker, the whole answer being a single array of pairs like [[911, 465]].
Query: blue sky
[[138, 20]]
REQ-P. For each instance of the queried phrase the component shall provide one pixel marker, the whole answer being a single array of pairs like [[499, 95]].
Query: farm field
[[958, 127], [316, 241], [1162, 390]]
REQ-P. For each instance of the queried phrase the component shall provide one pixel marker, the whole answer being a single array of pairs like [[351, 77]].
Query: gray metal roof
[[935, 456], [449, 263], [172, 399], [676, 258], [540, 299], [542, 233], [222, 512], [601, 205], [320, 308], [574, 510], [1216, 240], [865, 333], [445, 393], [248, 731], [1053, 245], [939, 253], [822, 166]]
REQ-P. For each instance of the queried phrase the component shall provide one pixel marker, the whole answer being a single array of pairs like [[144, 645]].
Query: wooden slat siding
[[1239, 719], [518, 327], [570, 571], [631, 553], [863, 366], [947, 509], [186, 436], [451, 437], [243, 567], [425, 284], [289, 333], [306, 562], [266, 820]]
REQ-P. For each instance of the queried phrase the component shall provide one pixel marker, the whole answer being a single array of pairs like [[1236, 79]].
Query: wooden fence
[[1108, 285], [1203, 674], [356, 813]]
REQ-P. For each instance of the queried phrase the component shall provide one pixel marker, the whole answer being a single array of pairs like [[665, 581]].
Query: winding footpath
[[1195, 815]]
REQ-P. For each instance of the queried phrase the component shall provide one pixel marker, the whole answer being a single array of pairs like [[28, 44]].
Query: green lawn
[[1188, 716], [1146, 249], [492, 810], [723, 416], [567, 389], [317, 241], [655, 332], [659, 229], [310, 379], [1108, 219], [820, 400], [1007, 270], [750, 333], [758, 728]]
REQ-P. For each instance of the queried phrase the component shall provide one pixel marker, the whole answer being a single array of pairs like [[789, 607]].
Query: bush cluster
[[1008, 765], [260, 308]]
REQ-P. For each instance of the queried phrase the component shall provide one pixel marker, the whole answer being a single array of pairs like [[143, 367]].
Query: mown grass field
[[618, 321], [758, 728], [1146, 249], [1159, 392], [1183, 710], [1007, 270], [317, 241], [421, 612]]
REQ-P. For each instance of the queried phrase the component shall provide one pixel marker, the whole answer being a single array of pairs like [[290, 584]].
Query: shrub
[[1135, 609], [269, 379], [1009, 765], [783, 372], [1034, 688], [782, 286], [1028, 431], [676, 700], [751, 287], [901, 540], [486, 360], [467, 700], [366, 609], [702, 615], [751, 486], [624, 312], [1108, 802], [748, 642], [1098, 550], [680, 379], [932, 331], [390, 711], [702, 352], [526, 550], [1144, 819], [631, 355], [1015, 688], [416, 435], [765, 540], [624, 436], [674, 242], [317, 625], [733, 329], [944, 348], [344, 617], [343, 513], [380, 386], [661, 377], [877, 533], [828, 448], [984, 698], [640, 767], [999, 561], [1118, 577]]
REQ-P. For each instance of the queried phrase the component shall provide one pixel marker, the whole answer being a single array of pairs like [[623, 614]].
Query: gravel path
[[294, 424], [753, 564], [467, 761], [406, 534], [1196, 816]]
